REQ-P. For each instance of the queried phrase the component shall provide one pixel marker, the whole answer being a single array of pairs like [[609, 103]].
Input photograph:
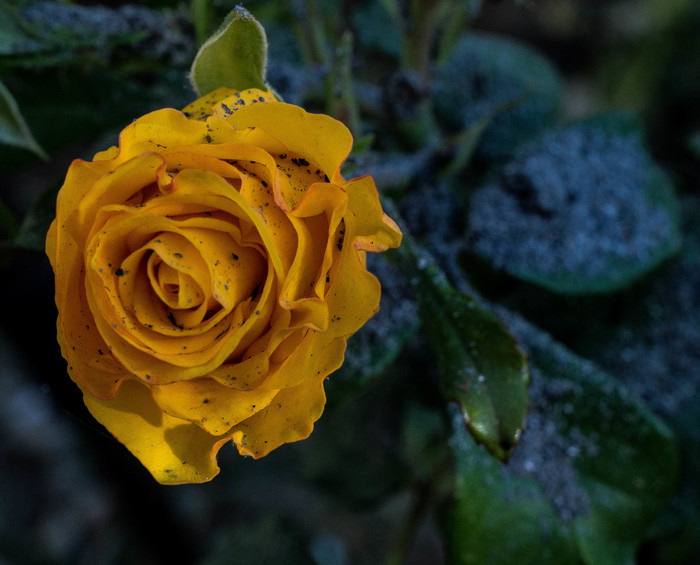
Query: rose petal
[[157, 131], [296, 357], [211, 405], [234, 102], [116, 187], [173, 450], [201, 108], [292, 412], [224, 101], [369, 228], [89, 358], [80, 177], [330, 200], [317, 135]]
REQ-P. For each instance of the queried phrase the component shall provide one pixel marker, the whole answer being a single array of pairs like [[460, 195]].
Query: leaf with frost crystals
[[580, 210], [592, 471]]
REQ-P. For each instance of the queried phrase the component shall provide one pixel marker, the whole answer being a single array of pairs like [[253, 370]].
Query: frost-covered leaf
[[481, 367], [376, 29], [653, 350], [234, 56], [15, 38], [500, 519], [653, 346], [13, 128], [41, 34], [583, 209], [592, 471], [485, 72]]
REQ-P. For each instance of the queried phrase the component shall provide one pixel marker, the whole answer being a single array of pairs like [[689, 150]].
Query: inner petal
[[236, 270], [176, 289]]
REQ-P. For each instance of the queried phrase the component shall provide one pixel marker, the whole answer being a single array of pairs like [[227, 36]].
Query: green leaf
[[235, 56], [652, 349], [499, 519], [375, 28], [613, 123], [45, 34], [15, 36], [482, 73], [467, 141], [592, 472], [481, 366], [580, 210], [13, 128]]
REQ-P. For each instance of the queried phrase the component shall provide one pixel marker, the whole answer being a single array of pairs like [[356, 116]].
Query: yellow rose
[[209, 271]]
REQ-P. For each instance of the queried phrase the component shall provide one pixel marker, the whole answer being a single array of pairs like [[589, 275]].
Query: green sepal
[[235, 56]]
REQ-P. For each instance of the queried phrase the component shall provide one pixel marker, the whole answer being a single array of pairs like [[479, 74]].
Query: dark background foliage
[[544, 157]]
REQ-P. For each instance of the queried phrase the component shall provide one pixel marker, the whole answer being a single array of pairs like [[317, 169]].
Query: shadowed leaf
[[481, 366], [13, 128], [590, 475]]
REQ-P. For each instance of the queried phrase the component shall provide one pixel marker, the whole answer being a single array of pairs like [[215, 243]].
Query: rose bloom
[[209, 271]]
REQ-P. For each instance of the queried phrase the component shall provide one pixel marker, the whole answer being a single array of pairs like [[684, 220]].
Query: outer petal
[[202, 108], [116, 187], [224, 101], [90, 361], [80, 177], [51, 244], [295, 358], [292, 413], [212, 406], [156, 131], [353, 296], [173, 450], [370, 228], [315, 136]]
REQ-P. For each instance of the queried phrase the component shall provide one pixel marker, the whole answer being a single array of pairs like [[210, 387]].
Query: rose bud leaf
[[235, 56]]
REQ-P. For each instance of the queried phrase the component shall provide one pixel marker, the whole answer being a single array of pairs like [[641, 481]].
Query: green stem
[[350, 109], [418, 37], [317, 30], [453, 18], [339, 91], [201, 18]]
